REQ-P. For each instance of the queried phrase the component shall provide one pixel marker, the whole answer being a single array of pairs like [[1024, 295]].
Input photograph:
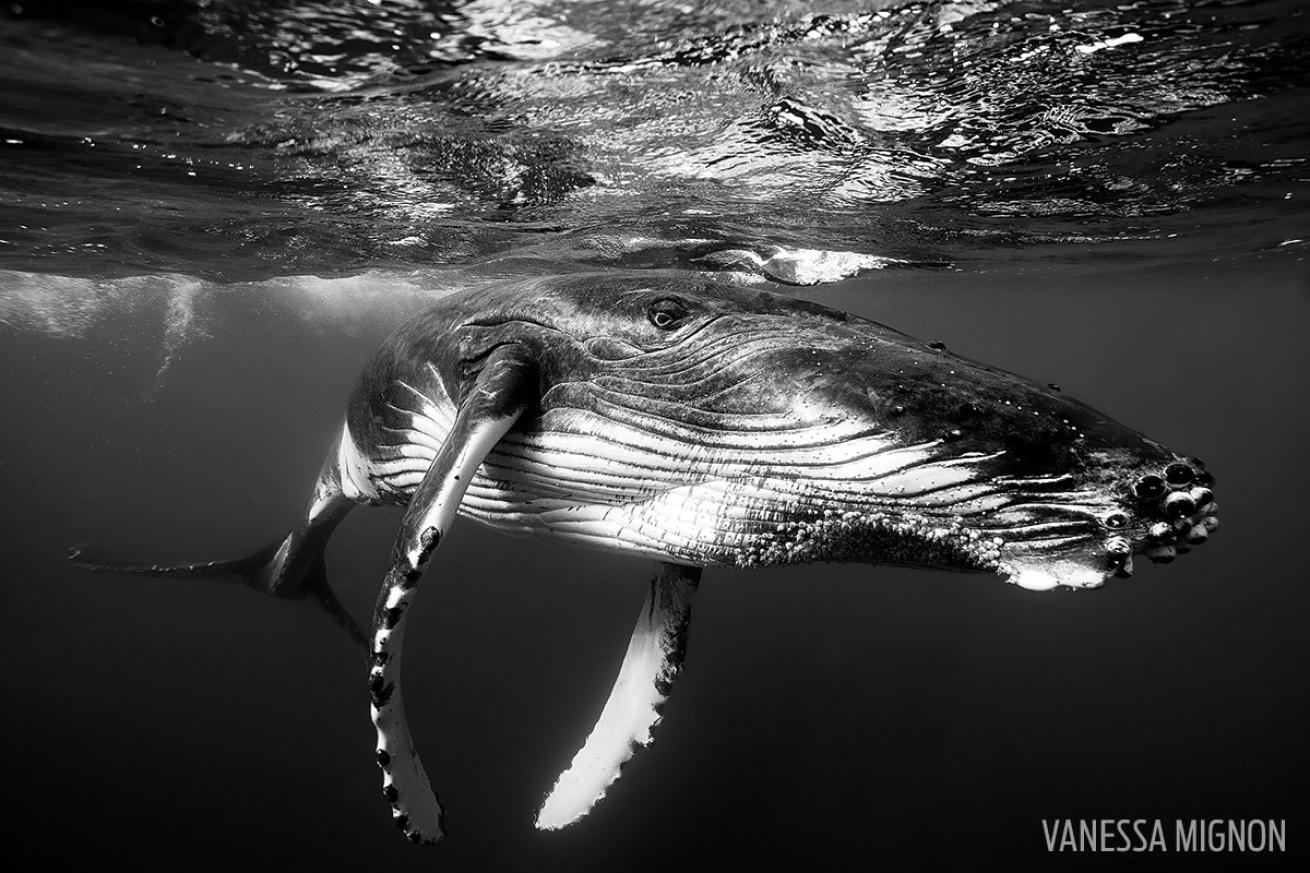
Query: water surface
[[235, 139]]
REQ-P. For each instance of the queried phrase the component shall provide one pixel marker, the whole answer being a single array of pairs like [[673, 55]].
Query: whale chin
[[1045, 573], [1076, 562]]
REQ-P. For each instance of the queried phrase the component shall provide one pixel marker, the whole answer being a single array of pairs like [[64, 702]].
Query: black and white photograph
[[799, 436]]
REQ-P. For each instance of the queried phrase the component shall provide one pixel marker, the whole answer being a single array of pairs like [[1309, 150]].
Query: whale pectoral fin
[[653, 660], [499, 395]]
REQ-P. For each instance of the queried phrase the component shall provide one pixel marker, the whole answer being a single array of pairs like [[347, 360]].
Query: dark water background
[[1128, 221]]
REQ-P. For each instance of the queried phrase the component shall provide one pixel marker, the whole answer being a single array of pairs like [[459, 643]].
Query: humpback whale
[[703, 425]]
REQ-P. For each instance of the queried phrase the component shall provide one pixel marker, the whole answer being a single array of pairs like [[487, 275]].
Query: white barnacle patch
[[1118, 545]]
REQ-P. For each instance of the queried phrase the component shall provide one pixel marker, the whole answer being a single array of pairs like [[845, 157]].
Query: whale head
[[710, 424]]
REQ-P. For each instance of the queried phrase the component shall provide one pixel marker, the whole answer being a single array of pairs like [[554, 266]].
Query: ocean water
[[212, 212]]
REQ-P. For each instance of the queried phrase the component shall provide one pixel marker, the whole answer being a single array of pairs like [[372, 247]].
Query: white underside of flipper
[[653, 660]]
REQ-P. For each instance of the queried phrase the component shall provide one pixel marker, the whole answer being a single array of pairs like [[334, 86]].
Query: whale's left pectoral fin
[[503, 389], [653, 660]]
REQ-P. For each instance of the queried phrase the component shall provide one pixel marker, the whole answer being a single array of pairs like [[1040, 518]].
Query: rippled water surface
[[238, 139], [212, 211]]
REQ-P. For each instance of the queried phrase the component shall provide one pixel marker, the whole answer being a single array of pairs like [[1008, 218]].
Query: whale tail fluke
[[290, 568], [248, 569], [267, 570]]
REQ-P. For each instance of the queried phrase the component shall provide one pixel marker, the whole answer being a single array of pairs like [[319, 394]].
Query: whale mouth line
[[1042, 563], [1081, 541]]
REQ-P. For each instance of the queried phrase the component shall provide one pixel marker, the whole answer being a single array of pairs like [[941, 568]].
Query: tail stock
[[270, 570]]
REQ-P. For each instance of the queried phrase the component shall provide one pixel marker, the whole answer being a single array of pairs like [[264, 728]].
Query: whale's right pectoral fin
[[653, 660], [503, 389]]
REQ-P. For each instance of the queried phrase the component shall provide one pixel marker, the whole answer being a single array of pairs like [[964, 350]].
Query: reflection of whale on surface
[[701, 425]]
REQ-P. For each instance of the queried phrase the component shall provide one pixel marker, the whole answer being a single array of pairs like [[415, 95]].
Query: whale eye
[[667, 314]]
